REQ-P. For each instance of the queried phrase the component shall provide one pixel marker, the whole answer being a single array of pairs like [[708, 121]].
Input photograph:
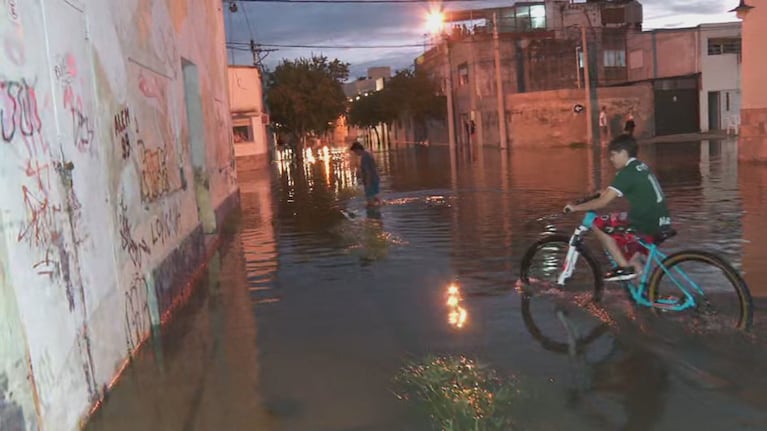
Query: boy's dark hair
[[624, 142], [356, 146]]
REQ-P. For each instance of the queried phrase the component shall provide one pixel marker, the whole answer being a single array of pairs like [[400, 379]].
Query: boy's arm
[[605, 197]]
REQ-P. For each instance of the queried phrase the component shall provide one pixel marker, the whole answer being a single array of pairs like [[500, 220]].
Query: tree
[[416, 95], [370, 111], [305, 95], [409, 94]]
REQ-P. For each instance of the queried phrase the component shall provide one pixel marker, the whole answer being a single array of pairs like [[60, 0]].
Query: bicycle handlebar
[[588, 198], [585, 199]]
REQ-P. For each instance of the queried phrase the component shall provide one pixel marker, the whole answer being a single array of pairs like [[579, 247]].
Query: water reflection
[[341, 303], [457, 314], [470, 219]]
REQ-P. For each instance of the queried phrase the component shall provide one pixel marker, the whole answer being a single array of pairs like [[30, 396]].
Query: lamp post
[[499, 95], [435, 23]]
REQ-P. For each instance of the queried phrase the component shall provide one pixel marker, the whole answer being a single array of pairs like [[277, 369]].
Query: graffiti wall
[[101, 213]]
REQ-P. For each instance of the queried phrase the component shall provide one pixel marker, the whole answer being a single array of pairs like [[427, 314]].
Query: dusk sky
[[398, 24]]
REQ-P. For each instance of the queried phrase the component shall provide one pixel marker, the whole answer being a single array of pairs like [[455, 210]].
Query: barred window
[[463, 74], [718, 46], [615, 58]]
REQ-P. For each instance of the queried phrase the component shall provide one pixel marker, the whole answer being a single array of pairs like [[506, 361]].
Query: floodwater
[[307, 316]]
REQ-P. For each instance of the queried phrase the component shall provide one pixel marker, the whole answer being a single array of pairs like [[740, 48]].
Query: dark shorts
[[372, 190], [616, 225]]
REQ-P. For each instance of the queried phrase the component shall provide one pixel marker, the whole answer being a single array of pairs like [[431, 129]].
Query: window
[[615, 58], [242, 134], [463, 74], [526, 18], [538, 16], [718, 46]]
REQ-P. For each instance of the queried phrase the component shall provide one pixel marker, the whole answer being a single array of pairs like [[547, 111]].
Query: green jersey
[[648, 211]]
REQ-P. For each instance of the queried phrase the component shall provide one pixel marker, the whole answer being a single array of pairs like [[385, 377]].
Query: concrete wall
[[247, 105], [753, 117], [662, 54], [116, 156], [719, 73], [547, 117]]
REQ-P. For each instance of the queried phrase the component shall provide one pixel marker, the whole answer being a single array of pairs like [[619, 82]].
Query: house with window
[[720, 75], [249, 117], [695, 74], [540, 50]]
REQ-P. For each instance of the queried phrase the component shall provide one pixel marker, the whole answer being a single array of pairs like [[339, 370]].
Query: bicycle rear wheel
[[727, 300], [544, 261]]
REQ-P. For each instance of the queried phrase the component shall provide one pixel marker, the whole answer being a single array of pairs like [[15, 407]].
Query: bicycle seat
[[663, 234]]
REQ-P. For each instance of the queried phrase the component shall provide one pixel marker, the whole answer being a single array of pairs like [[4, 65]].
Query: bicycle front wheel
[[720, 293], [544, 261]]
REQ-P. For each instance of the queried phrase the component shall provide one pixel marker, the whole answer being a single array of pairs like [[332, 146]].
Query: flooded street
[[307, 316]]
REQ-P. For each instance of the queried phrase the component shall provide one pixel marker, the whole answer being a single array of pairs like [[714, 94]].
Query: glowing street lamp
[[435, 21]]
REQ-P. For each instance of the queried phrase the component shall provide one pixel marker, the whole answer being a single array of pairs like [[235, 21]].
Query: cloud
[[377, 24]]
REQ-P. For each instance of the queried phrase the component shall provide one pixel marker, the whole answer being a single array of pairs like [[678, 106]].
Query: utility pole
[[587, 79], [450, 114], [499, 85]]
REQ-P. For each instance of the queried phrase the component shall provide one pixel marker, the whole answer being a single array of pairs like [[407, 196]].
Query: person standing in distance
[[369, 174]]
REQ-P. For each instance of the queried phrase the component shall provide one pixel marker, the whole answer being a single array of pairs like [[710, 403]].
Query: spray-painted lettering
[[122, 124], [136, 313], [154, 173], [135, 249], [18, 110], [82, 130], [13, 11], [38, 230], [165, 226]]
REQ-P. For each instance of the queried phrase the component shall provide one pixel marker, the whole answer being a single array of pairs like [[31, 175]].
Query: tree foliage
[[408, 93], [306, 96]]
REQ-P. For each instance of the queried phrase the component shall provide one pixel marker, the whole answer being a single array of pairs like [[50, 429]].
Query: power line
[[359, 1], [242, 45]]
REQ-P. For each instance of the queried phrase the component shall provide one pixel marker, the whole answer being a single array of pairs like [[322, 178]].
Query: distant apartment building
[[540, 50], [673, 80], [695, 74], [374, 81]]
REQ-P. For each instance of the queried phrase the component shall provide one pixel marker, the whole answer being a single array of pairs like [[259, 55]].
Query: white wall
[[719, 73], [246, 95], [99, 187], [255, 147]]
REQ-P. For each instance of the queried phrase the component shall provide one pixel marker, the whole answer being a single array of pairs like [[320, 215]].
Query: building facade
[[753, 114], [540, 49], [695, 74], [249, 117], [686, 80], [116, 160]]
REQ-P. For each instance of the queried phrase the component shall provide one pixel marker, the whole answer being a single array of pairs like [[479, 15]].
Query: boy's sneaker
[[621, 274]]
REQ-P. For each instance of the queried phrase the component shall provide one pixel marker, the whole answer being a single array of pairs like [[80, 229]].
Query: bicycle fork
[[572, 256]]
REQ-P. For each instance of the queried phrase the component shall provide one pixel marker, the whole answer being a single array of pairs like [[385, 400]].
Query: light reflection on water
[[357, 296]]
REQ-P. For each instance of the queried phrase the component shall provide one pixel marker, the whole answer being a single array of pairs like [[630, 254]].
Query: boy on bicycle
[[648, 213]]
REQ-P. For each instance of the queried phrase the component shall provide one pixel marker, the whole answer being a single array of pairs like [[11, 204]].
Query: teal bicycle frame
[[638, 291]]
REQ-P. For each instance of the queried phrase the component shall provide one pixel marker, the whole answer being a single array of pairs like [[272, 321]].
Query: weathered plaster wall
[[753, 115], [547, 118], [103, 201], [247, 101]]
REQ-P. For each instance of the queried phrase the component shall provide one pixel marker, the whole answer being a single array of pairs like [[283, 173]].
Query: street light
[[435, 22]]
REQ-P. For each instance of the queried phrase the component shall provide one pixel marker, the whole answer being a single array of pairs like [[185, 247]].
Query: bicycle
[[658, 267]]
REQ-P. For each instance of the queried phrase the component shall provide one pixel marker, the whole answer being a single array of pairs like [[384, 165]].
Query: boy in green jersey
[[648, 214]]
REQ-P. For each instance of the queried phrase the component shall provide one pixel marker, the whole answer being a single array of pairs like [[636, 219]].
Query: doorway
[[197, 148]]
